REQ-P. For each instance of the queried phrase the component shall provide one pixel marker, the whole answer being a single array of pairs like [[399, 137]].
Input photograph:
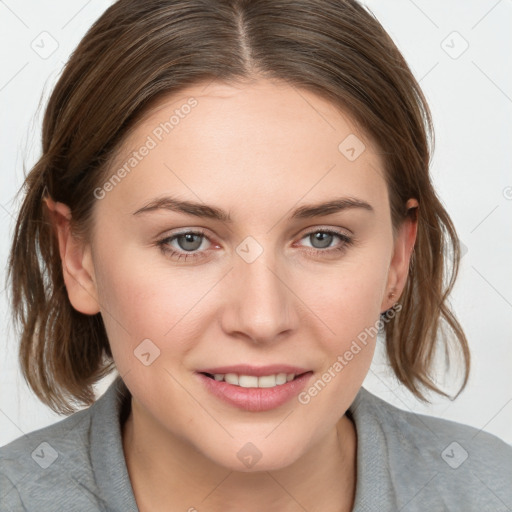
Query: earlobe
[[399, 266], [76, 258]]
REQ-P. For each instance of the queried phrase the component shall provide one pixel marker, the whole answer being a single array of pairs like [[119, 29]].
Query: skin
[[258, 151]]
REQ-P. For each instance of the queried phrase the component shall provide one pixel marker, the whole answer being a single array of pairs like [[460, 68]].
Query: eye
[[187, 242], [321, 240]]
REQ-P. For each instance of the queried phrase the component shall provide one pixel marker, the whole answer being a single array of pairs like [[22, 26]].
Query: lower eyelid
[[164, 243], [173, 238], [342, 236]]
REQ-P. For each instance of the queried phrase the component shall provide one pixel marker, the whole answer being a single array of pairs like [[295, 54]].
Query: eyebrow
[[212, 212]]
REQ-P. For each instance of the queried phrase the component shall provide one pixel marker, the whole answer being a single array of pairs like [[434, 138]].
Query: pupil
[[189, 239], [323, 238]]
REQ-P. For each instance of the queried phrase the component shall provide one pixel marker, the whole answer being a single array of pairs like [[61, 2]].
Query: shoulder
[[49, 468], [435, 461], [421, 430]]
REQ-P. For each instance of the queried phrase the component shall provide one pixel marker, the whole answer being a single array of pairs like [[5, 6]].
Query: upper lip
[[256, 371]]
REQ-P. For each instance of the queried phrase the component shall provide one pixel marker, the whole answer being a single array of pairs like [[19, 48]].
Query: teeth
[[231, 378], [247, 381], [281, 378], [250, 381]]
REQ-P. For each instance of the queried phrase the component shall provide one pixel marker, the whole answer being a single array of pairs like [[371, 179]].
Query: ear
[[76, 258], [399, 266]]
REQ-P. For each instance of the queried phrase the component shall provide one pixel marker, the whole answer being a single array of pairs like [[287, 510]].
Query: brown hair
[[139, 50]]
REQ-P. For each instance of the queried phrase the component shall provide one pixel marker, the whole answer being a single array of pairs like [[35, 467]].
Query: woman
[[233, 199]]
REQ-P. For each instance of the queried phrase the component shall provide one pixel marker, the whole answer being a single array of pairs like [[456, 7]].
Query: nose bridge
[[261, 304]]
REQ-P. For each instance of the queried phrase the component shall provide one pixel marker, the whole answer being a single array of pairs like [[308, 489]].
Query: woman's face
[[284, 282]]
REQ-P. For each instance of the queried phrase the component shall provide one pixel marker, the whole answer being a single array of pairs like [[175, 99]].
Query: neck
[[167, 473]]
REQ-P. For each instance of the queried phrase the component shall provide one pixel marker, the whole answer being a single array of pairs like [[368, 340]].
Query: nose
[[261, 305]]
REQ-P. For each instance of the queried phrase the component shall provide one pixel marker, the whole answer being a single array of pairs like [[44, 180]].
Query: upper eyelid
[[204, 231], [200, 231], [196, 231], [344, 237], [339, 231]]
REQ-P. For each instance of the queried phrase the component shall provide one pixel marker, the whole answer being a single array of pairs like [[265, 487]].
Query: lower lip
[[256, 399]]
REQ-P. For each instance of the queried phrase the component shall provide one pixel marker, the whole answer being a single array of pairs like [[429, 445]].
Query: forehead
[[260, 109], [263, 139]]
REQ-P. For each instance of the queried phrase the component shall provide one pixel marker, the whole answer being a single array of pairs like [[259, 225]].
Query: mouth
[[255, 393], [253, 381]]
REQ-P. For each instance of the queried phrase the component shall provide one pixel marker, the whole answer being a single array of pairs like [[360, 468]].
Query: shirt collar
[[374, 490], [107, 456]]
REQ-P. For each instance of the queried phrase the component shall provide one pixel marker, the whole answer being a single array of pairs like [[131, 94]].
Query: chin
[[251, 457]]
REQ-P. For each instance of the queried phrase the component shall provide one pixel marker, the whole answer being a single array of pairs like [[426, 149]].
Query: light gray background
[[470, 94]]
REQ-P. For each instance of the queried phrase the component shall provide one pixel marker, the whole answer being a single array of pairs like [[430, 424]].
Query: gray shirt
[[405, 461]]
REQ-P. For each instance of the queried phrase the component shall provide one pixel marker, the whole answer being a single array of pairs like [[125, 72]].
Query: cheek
[[348, 303], [349, 297], [140, 302]]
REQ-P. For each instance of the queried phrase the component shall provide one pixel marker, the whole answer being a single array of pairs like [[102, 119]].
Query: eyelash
[[163, 244]]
